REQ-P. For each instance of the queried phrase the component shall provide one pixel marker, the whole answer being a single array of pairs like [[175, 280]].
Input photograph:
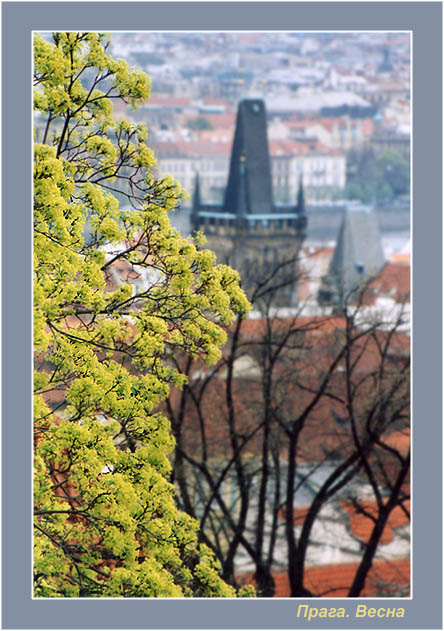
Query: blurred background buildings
[[337, 115]]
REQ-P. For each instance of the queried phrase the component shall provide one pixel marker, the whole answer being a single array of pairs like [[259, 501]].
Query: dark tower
[[386, 64], [250, 163], [195, 202], [248, 231], [300, 206]]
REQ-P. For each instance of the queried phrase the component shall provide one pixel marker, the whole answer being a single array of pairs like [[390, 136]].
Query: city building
[[322, 169], [207, 152]]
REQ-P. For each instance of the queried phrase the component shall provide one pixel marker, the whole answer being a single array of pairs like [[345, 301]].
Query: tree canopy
[[377, 178], [200, 122], [117, 293]]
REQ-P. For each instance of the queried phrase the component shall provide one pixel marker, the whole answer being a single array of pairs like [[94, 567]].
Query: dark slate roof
[[249, 189], [358, 254]]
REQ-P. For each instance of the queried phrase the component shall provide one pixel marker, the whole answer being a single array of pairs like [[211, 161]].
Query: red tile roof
[[215, 101], [393, 281], [361, 525], [218, 142], [402, 258], [399, 440], [226, 120], [311, 252], [299, 514], [366, 125], [315, 324], [299, 124], [385, 578], [334, 581], [289, 148]]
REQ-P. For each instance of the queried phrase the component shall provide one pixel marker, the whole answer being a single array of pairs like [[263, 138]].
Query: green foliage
[[200, 122], [393, 170], [106, 523], [378, 178]]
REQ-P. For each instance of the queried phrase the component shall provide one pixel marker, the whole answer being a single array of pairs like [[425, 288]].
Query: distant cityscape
[[338, 121], [337, 104]]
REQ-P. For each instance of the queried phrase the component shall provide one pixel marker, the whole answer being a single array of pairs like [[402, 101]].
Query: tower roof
[[358, 254], [249, 189]]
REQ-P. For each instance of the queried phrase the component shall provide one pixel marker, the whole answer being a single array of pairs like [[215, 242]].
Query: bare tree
[[293, 397]]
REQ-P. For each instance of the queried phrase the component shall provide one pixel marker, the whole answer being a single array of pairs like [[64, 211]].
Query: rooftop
[[333, 581]]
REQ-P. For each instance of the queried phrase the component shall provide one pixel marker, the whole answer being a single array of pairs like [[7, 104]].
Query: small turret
[[300, 206], [196, 193], [196, 204]]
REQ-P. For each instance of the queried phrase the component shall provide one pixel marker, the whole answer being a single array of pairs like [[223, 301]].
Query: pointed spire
[[196, 194], [358, 254], [195, 204], [249, 188], [300, 206]]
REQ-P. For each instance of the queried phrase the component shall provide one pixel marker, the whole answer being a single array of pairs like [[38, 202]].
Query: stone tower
[[248, 231]]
